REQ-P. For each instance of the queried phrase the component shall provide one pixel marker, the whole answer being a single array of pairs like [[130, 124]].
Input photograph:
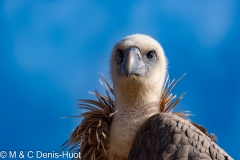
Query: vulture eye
[[120, 56], [151, 55]]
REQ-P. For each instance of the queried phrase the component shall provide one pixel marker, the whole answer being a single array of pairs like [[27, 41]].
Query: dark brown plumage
[[166, 136]]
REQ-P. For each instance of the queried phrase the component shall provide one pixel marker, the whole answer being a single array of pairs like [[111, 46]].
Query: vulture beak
[[132, 61]]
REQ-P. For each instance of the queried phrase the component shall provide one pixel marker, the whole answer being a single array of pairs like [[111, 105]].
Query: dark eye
[[120, 56], [151, 55]]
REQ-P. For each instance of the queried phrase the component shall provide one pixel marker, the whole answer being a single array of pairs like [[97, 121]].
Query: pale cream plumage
[[136, 98]]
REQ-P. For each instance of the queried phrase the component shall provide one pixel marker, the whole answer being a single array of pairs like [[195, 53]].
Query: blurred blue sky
[[52, 51]]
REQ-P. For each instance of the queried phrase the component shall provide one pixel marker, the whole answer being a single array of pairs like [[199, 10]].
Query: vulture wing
[[166, 136]]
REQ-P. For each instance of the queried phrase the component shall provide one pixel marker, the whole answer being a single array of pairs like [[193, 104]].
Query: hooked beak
[[132, 61]]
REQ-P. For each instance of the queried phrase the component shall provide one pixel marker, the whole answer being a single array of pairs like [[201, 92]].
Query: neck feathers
[[136, 95]]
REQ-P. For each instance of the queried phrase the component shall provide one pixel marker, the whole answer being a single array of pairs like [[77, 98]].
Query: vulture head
[[138, 68]]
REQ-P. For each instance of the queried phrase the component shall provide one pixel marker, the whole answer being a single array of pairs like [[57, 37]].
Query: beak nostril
[[139, 58]]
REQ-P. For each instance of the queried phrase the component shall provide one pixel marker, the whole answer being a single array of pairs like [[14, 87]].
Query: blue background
[[51, 53]]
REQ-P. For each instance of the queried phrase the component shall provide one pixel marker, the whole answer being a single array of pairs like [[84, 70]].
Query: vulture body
[[173, 138], [134, 120]]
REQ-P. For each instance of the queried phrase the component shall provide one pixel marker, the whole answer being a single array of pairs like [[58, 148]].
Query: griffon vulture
[[134, 120]]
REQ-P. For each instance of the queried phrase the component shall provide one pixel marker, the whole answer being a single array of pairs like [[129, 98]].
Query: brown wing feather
[[166, 136], [91, 137]]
